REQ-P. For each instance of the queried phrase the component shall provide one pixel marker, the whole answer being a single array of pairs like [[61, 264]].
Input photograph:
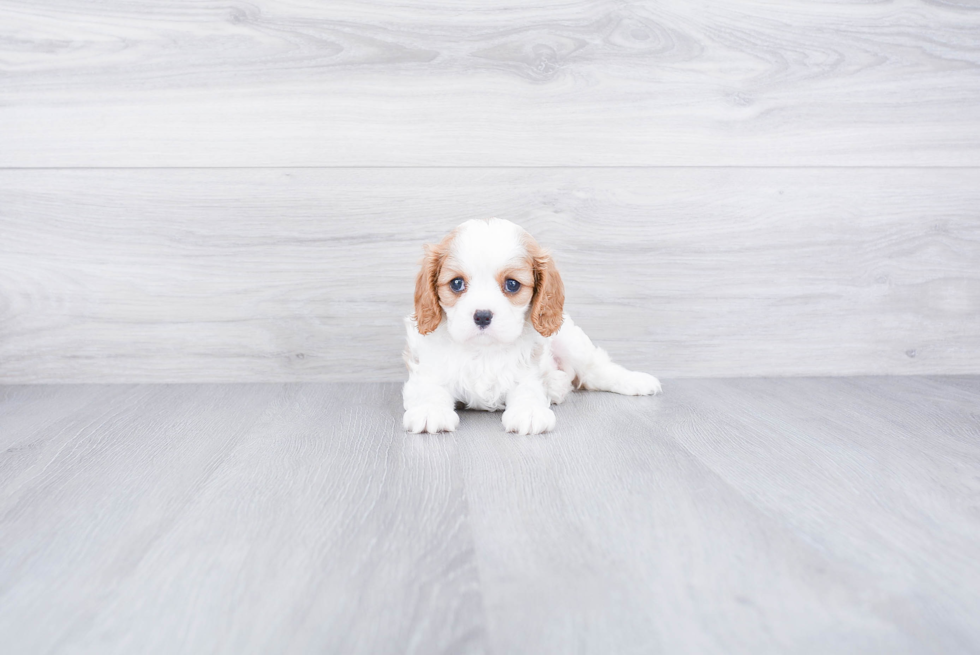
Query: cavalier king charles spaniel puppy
[[488, 332]]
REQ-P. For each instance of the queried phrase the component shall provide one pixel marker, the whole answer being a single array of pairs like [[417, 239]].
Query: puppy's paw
[[430, 419], [635, 383], [528, 420]]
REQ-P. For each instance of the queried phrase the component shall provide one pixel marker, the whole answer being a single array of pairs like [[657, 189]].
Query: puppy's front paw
[[528, 420], [635, 383], [430, 419]]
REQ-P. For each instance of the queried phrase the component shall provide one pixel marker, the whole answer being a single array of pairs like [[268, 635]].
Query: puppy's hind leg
[[592, 367]]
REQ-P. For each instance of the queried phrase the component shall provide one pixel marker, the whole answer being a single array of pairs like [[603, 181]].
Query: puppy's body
[[481, 377], [489, 332]]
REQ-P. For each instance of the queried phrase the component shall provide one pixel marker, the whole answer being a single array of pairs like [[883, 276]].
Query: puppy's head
[[486, 279]]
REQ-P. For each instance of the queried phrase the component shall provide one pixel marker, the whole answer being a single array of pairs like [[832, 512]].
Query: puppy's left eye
[[512, 286]]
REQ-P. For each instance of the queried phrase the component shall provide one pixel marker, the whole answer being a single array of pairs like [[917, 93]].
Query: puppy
[[489, 332]]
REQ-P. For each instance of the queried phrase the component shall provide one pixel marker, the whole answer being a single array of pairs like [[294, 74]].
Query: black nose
[[482, 317]]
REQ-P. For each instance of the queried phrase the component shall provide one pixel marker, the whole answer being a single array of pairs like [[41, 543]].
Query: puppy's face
[[486, 279]]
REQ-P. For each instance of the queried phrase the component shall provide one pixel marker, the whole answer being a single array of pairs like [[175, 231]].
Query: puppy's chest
[[483, 381]]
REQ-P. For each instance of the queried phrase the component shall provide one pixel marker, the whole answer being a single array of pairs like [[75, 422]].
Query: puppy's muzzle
[[482, 317]]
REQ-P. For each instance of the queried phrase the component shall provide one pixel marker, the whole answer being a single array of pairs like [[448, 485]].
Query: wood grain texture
[[726, 516], [281, 275], [240, 518], [305, 83]]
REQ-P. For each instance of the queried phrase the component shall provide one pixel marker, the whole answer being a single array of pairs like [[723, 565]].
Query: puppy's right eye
[[457, 284]]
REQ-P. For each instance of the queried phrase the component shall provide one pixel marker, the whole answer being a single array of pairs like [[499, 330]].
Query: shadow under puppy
[[489, 332]]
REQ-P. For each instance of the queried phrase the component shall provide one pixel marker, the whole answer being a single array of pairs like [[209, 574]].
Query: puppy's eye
[[512, 286], [457, 284]]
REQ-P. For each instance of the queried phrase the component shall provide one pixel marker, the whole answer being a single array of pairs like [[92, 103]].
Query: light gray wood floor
[[745, 515]]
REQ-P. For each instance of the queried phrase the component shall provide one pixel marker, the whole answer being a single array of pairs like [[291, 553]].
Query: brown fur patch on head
[[428, 312], [450, 271], [525, 275], [549, 292]]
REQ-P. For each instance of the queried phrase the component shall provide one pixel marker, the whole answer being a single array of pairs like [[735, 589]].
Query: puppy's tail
[[591, 368]]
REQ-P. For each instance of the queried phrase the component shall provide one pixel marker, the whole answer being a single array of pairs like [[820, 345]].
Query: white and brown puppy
[[488, 332]]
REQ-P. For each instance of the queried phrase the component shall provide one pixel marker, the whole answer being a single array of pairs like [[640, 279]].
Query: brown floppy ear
[[549, 294], [428, 311]]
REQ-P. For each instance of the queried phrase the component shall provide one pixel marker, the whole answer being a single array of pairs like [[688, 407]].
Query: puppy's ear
[[428, 311], [549, 293]]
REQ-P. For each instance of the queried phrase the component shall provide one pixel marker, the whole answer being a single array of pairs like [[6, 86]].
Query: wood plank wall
[[196, 191]]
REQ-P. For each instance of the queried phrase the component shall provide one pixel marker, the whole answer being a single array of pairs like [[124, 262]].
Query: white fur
[[508, 364]]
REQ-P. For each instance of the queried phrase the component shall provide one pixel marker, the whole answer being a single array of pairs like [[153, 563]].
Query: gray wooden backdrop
[[196, 191]]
